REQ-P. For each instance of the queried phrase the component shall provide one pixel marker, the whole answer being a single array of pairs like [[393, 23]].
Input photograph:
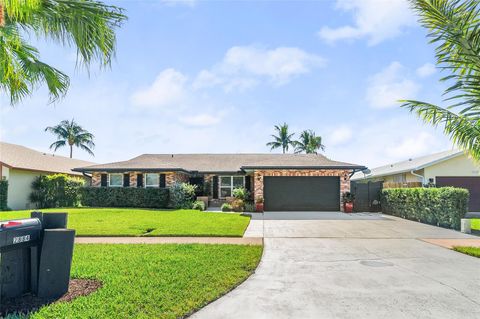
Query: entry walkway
[[169, 240]]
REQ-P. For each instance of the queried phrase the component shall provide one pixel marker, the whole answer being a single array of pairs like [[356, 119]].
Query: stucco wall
[[409, 177], [19, 188], [458, 166]]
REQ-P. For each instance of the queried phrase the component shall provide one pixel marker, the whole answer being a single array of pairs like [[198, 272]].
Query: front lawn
[[472, 251], [154, 281], [147, 222], [475, 223]]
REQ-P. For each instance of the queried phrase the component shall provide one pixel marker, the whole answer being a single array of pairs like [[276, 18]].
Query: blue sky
[[215, 76]]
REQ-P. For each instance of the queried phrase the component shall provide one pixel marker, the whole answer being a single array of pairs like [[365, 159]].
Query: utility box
[[35, 256]]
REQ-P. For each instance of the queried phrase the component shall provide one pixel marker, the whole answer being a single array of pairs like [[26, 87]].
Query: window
[[229, 183], [115, 180], [400, 178], [152, 180]]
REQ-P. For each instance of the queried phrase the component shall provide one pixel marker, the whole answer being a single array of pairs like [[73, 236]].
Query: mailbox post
[[35, 256]]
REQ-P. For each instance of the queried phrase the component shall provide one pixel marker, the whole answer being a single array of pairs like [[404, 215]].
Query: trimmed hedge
[[3, 195], [57, 190], [443, 206], [125, 197]]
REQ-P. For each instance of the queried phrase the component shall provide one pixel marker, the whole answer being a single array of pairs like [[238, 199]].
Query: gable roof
[[409, 165], [219, 163], [21, 157]]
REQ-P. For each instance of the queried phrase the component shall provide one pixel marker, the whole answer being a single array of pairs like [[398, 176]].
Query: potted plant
[[348, 199], [259, 204]]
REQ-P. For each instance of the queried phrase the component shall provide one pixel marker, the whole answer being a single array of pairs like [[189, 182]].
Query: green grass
[[154, 281], [145, 222], [475, 224], [472, 251]]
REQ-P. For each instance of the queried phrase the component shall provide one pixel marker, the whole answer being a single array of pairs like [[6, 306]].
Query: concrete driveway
[[367, 266]]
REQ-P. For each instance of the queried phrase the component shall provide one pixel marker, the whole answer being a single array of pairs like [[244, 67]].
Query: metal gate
[[367, 196]]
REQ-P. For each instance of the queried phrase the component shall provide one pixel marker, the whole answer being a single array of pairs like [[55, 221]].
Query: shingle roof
[[21, 157], [219, 162], [408, 165]]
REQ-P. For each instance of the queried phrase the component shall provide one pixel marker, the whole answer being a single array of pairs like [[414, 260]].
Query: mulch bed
[[29, 302]]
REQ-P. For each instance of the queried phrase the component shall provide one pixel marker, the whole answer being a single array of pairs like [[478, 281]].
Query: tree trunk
[[2, 16], [71, 151]]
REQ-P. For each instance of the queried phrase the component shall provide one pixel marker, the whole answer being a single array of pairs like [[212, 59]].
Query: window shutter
[[162, 180], [126, 180], [103, 180], [215, 186], [248, 183], [139, 180]]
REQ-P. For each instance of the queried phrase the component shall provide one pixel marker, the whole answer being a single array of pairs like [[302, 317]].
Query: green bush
[[250, 207], [149, 197], [182, 195], [3, 195], [240, 193], [58, 190], [226, 207], [198, 205], [436, 206]]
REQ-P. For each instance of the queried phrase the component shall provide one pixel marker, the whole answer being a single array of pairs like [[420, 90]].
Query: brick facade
[[259, 174]]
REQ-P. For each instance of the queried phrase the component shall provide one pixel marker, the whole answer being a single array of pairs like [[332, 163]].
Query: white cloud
[[340, 135], [167, 90], [245, 66], [376, 20], [390, 85], [379, 141], [201, 120], [412, 146], [426, 70]]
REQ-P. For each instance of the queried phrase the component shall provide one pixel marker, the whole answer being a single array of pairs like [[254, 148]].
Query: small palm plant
[[283, 138], [309, 143], [71, 134], [455, 27]]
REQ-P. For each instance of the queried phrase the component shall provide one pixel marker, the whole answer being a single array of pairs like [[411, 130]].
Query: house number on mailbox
[[21, 239]]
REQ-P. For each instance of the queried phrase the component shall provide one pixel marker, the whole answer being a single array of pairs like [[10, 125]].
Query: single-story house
[[284, 181], [20, 165], [449, 168]]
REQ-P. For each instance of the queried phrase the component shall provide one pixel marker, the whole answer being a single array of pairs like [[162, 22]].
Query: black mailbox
[[35, 256], [19, 240]]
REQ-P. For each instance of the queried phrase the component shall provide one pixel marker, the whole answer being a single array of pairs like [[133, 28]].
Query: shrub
[[240, 193], [126, 197], [348, 197], [182, 195], [58, 190], [238, 205], [3, 195], [226, 207], [437, 206], [198, 205], [250, 207]]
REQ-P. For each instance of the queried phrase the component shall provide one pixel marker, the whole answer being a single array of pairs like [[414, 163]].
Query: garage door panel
[[302, 193], [471, 183]]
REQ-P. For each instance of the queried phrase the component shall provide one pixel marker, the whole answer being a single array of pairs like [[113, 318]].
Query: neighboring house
[[284, 181], [449, 168], [20, 165]]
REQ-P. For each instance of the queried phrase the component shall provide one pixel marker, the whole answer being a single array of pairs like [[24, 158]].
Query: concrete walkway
[[378, 268], [450, 243], [169, 240]]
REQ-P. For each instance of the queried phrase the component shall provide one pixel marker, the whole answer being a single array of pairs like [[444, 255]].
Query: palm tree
[[454, 26], [309, 143], [283, 139], [71, 134], [88, 25]]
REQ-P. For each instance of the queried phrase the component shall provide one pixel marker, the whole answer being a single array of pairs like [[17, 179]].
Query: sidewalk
[[170, 240]]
